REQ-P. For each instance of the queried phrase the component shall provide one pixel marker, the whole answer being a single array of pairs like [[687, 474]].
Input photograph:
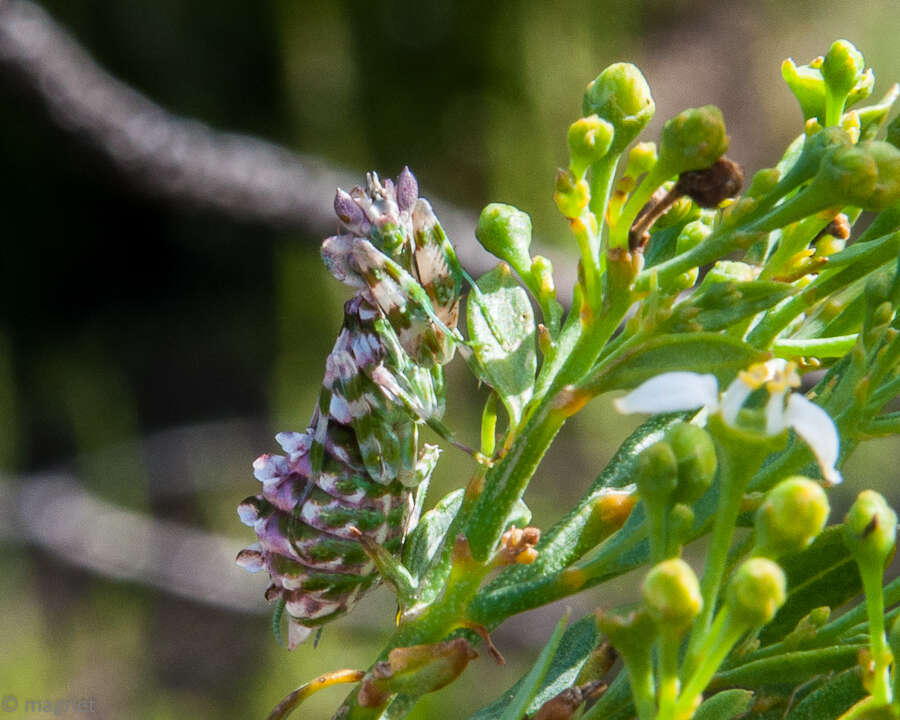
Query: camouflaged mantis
[[354, 471]]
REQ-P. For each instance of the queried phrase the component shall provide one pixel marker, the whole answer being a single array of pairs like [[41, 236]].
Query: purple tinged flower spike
[[347, 210], [407, 190]]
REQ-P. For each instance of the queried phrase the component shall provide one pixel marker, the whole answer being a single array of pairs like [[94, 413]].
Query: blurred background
[[163, 310]]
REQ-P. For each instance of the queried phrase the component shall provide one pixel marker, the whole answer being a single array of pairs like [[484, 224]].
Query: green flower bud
[[681, 523], [808, 86], [810, 159], [656, 474], [621, 96], [692, 140], [870, 530], [756, 592], [679, 211], [695, 455], [505, 231], [672, 594], [792, 515], [691, 235], [641, 159], [730, 271], [589, 140], [893, 132], [842, 67], [762, 182], [865, 175], [879, 309], [572, 195]]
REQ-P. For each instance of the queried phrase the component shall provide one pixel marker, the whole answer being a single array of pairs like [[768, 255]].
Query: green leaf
[[701, 352], [823, 574], [789, 669], [724, 705], [556, 669], [832, 699], [502, 331], [719, 305], [425, 540]]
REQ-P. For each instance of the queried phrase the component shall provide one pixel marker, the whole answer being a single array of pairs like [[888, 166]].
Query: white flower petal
[[733, 400], [670, 392], [775, 415], [817, 428]]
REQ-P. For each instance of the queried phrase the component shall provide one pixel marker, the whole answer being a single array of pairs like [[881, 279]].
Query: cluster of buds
[[517, 546]]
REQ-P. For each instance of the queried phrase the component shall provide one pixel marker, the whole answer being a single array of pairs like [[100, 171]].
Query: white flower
[[674, 391]]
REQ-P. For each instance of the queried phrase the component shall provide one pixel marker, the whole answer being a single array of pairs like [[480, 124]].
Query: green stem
[[834, 107], [507, 480], [708, 664], [836, 346], [739, 456], [881, 655], [618, 235], [668, 672], [640, 675], [602, 174], [717, 245], [656, 518]]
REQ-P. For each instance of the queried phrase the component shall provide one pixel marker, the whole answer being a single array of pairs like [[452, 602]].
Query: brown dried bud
[[838, 228], [710, 186], [564, 705], [517, 546]]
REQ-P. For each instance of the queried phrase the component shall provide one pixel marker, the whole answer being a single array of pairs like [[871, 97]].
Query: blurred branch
[[183, 160], [54, 513]]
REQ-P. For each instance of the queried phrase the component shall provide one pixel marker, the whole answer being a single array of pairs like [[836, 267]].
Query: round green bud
[[842, 67], [887, 188], [695, 455], [572, 195], [756, 592], [866, 175], [814, 149], [589, 140], [656, 473], [682, 209], [691, 235], [505, 231], [692, 140], [730, 271], [893, 132], [808, 86], [672, 594], [762, 181], [641, 159], [681, 523], [870, 530], [792, 515], [621, 96], [847, 174]]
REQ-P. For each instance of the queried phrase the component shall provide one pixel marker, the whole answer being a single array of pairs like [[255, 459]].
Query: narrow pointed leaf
[[724, 705], [701, 352], [555, 669]]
